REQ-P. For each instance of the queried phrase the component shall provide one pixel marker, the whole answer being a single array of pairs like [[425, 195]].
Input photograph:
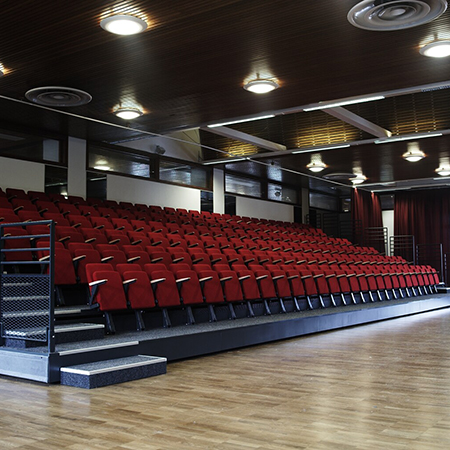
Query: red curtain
[[425, 215], [366, 208]]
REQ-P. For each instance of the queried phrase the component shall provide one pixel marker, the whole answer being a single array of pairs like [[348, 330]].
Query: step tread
[[71, 349], [60, 310], [111, 365], [68, 328]]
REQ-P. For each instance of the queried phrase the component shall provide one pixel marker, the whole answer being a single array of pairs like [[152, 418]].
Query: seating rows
[[145, 258]]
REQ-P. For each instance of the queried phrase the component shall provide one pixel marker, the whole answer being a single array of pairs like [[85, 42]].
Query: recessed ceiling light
[[443, 171], [123, 24], [350, 101], [360, 178], [410, 137], [232, 122], [261, 85], [102, 167], [413, 155], [316, 166], [436, 49], [128, 113]]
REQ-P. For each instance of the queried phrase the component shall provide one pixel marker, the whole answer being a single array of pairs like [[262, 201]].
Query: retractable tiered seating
[[186, 259]]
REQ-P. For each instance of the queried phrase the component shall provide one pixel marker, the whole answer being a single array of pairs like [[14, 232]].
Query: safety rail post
[[404, 246], [432, 255], [51, 305]]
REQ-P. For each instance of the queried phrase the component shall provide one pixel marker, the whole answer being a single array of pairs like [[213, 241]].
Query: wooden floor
[[380, 386]]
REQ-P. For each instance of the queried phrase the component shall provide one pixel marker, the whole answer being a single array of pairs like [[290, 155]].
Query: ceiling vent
[[388, 15], [58, 96], [339, 176]]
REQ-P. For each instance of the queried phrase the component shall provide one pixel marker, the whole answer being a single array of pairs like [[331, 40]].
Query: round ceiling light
[[413, 155], [316, 166], [261, 85], [436, 49], [123, 24], [128, 113], [358, 179], [443, 171]]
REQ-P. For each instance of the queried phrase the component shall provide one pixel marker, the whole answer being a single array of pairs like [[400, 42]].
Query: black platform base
[[185, 341], [105, 373]]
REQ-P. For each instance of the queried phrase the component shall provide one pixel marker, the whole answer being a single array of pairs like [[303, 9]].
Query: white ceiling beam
[[357, 121], [247, 138]]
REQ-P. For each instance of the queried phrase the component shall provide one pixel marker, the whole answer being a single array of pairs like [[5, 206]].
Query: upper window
[[244, 186], [31, 148], [322, 201], [185, 173], [281, 193], [122, 161]]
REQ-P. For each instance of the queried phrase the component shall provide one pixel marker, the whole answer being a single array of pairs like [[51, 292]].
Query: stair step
[[113, 371], [33, 337], [71, 349], [67, 310]]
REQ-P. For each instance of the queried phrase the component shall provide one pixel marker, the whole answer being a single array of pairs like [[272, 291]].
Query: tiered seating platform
[[192, 283]]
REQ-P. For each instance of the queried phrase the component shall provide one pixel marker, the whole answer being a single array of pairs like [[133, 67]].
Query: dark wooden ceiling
[[187, 70]]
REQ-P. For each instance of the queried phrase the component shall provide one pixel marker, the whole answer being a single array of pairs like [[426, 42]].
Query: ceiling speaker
[[388, 15], [58, 96]]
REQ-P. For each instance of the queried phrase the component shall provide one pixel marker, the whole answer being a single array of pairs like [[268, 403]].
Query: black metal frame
[[50, 334]]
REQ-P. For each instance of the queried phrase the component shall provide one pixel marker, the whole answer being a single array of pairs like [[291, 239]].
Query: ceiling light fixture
[[413, 155], [102, 167], [443, 171], [261, 85], [128, 113], [406, 138], [436, 49], [123, 24], [360, 178], [232, 122], [316, 166], [320, 149], [345, 103]]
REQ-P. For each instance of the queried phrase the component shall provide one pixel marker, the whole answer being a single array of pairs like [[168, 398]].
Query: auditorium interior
[[225, 224]]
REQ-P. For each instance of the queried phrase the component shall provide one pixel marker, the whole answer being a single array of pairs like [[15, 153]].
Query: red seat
[[58, 218], [106, 289], [77, 221], [20, 244], [101, 223], [46, 207], [138, 290]]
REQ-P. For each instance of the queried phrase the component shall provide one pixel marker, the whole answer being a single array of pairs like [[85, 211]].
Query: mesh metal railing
[[27, 285]]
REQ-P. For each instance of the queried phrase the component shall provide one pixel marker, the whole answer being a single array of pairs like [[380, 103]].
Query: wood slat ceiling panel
[[414, 113], [294, 131]]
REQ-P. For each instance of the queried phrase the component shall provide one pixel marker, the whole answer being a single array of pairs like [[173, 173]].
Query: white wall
[[76, 169], [263, 209], [218, 191], [388, 222], [151, 193], [26, 175]]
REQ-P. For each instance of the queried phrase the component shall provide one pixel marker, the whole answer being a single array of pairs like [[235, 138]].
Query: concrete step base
[[112, 371]]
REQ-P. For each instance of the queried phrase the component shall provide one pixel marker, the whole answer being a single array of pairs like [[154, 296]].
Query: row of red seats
[[257, 282], [77, 205]]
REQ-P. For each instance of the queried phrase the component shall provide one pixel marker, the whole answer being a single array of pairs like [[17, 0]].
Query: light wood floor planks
[[380, 386]]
